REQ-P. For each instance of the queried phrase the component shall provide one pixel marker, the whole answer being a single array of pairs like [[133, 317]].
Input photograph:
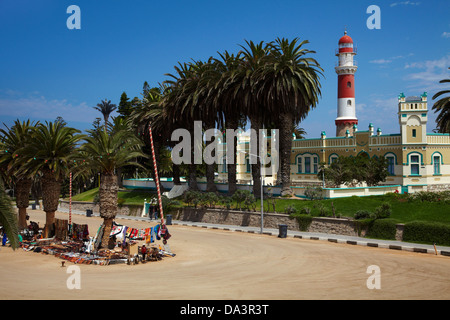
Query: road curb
[[371, 243]]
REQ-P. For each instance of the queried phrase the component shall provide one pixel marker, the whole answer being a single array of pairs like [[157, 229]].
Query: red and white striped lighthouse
[[346, 115]]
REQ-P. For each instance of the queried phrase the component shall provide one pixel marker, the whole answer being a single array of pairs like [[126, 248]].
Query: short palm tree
[[8, 218], [106, 108], [443, 107], [13, 139], [104, 152], [50, 153]]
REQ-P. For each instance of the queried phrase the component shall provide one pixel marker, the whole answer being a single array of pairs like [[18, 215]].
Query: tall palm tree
[[229, 102], [15, 138], [288, 83], [254, 58], [149, 113], [104, 152], [50, 153], [178, 108], [8, 218], [443, 107], [106, 108]]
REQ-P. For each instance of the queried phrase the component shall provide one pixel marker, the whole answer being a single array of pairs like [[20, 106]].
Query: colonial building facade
[[418, 160]]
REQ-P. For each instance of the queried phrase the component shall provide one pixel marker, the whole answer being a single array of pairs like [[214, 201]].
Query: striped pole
[[70, 202], [156, 175]]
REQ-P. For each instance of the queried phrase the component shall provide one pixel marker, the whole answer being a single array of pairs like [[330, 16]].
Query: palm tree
[[178, 108], [443, 107], [254, 58], [8, 218], [15, 138], [288, 83], [106, 108], [50, 153], [229, 103], [150, 113], [104, 152]]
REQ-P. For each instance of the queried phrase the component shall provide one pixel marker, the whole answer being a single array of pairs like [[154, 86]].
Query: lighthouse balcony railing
[[355, 50]]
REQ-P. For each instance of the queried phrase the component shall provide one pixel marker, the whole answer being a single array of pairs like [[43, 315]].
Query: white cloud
[[380, 61], [446, 34], [36, 106], [410, 3], [428, 74]]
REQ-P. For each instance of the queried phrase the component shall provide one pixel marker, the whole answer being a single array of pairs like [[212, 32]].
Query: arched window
[[349, 84], [349, 103], [436, 160]]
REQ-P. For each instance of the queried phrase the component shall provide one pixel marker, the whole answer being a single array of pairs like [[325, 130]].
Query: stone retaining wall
[[83, 206], [272, 220]]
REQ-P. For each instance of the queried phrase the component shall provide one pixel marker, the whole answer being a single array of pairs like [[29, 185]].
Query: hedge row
[[427, 232]]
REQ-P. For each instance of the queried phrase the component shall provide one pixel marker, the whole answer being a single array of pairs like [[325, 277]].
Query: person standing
[[143, 252]]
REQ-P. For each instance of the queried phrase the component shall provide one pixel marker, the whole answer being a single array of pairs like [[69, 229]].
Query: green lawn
[[135, 197], [403, 211]]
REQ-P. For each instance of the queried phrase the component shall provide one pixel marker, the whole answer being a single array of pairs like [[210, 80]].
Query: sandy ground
[[222, 265]]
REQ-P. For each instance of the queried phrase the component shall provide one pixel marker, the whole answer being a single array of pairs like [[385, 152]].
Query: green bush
[[382, 229], [290, 209], [305, 210], [383, 211], [313, 193], [304, 221], [427, 232], [362, 214]]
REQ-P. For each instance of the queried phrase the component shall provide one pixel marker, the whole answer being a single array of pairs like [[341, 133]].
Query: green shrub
[[304, 221], [427, 232], [382, 229], [305, 210], [290, 209], [313, 193], [226, 201], [362, 214], [383, 211]]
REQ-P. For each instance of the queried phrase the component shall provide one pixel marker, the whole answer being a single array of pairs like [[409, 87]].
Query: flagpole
[[156, 175]]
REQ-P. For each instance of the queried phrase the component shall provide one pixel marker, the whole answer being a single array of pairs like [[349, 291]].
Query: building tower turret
[[346, 68]]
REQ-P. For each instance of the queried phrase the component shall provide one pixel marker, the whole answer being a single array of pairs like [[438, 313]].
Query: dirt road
[[215, 264]]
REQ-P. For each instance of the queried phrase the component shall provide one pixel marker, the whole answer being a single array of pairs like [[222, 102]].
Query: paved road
[[351, 240]]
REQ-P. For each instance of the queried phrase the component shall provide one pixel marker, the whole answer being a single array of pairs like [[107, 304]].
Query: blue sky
[[48, 70]]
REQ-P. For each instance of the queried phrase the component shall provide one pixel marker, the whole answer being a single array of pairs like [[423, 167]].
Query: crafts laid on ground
[[72, 243]]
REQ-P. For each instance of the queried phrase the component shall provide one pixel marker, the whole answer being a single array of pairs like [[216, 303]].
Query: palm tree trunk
[[108, 203], [193, 185], [210, 185], [286, 125], [232, 123], [176, 174], [51, 189], [23, 187], [256, 168]]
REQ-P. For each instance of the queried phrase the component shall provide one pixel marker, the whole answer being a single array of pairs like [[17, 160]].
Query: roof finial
[[345, 30]]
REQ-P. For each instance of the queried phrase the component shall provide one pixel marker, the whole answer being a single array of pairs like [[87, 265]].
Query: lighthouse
[[345, 69]]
